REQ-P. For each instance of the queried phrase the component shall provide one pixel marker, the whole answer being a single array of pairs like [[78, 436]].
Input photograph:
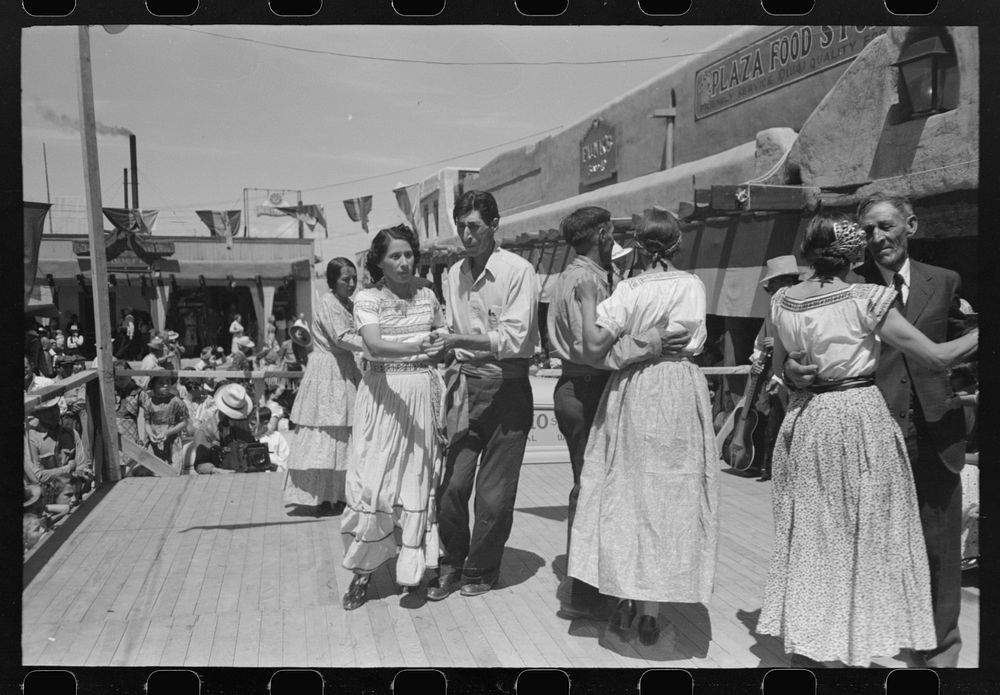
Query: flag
[[407, 198], [358, 210], [134, 221], [223, 223], [34, 221], [310, 215]]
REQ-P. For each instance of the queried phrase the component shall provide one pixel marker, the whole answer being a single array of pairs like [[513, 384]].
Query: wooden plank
[[247, 650], [431, 642], [406, 636], [211, 584], [127, 653], [180, 547], [358, 625], [35, 640], [106, 643], [75, 599], [82, 643], [270, 576], [199, 646], [223, 650], [528, 653], [144, 458], [207, 521], [154, 641], [60, 638], [341, 640], [249, 579], [293, 639], [117, 576], [389, 653], [317, 631], [235, 559], [179, 636], [271, 636]]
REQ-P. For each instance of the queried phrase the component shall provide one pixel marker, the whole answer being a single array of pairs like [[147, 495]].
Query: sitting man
[[229, 423], [54, 455]]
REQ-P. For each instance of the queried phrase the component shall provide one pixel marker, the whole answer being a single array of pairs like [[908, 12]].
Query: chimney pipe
[[135, 172]]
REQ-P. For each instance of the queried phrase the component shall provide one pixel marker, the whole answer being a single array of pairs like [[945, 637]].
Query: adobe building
[[746, 141]]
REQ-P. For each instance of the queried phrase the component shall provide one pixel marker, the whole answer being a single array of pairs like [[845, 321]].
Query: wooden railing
[[88, 379]]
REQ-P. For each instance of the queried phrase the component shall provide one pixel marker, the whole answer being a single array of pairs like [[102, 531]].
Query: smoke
[[72, 123]]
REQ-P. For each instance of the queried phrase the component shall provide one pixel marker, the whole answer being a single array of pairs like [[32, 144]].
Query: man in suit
[[922, 402]]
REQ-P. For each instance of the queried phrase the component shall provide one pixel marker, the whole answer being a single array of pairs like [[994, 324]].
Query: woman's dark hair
[[153, 380], [817, 244], [335, 267], [480, 201], [380, 245], [659, 234]]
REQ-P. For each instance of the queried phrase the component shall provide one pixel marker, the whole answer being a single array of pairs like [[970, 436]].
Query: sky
[[217, 109]]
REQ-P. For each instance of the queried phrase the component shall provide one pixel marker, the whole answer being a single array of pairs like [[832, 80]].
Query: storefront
[[195, 289], [746, 142]]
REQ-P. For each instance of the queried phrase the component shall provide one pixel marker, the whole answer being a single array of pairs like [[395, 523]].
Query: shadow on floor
[[686, 632], [236, 527], [556, 512], [518, 566], [766, 648]]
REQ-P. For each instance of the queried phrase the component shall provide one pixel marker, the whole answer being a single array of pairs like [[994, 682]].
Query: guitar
[[738, 448]]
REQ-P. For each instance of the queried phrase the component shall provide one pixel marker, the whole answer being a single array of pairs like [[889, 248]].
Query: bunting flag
[[134, 221], [358, 210], [222, 223], [310, 215], [34, 223], [408, 199]]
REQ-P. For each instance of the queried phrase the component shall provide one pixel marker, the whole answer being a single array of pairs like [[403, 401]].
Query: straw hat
[[618, 251], [50, 403], [32, 493], [780, 265], [234, 401], [300, 335], [245, 342], [173, 335]]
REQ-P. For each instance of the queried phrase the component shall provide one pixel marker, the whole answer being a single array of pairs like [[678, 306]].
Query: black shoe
[[475, 589], [764, 477], [649, 630], [621, 619], [357, 592], [442, 588]]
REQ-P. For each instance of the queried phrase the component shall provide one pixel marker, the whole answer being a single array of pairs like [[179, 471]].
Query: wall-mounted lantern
[[929, 75]]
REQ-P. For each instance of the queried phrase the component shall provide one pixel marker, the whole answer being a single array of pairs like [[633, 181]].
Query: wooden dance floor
[[210, 571]]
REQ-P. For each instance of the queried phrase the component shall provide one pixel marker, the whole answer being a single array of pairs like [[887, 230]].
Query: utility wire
[[356, 56]]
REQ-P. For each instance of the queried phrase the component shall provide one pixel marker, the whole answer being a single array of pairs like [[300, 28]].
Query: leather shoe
[[441, 588], [475, 589], [649, 630], [357, 592], [621, 619]]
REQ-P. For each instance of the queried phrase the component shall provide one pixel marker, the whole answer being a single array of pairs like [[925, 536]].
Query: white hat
[[234, 401], [619, 251], [244, 342], [780, 265]]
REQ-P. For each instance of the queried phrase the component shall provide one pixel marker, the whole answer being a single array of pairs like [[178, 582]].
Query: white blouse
[[646, 301]]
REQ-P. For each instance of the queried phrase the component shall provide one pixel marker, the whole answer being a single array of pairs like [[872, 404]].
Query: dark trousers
[[501, 412], [576, 399], [939, 495]]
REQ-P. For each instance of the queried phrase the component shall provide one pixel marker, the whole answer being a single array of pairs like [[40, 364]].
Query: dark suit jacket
[[932, 306]]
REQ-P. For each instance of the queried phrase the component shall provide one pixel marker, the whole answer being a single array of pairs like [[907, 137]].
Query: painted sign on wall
[[785, 56], [598, 153]]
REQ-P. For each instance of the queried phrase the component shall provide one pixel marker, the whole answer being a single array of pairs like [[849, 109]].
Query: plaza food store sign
[[788, 55]]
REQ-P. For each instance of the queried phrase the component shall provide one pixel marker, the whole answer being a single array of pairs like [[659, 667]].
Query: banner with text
[[785, 56]]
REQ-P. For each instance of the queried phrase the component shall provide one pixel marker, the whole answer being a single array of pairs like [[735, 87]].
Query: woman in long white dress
[[848, 578], [323, 411], [397, 422], [646, 526]]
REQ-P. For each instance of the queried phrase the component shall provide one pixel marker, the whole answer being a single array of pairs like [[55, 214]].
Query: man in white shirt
[[493, 302], [277, 445]]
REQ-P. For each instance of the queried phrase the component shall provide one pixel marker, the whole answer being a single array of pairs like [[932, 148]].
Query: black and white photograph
[[483, 346]]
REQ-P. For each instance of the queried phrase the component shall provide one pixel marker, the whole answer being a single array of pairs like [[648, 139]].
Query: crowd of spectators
[[191, 424]]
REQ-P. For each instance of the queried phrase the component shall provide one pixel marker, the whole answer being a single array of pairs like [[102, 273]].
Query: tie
[[897, 283]]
